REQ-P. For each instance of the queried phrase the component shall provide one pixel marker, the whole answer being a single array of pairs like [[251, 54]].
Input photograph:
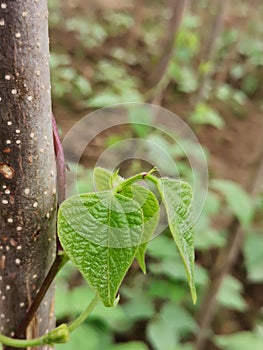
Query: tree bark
[[27, 166]]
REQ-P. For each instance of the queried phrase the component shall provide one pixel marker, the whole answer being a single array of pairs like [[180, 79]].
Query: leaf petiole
[[82, 317], [58, 335], [20, 343], [137, 177]]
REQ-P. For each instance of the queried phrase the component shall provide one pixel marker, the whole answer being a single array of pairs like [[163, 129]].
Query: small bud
[[58, 335]]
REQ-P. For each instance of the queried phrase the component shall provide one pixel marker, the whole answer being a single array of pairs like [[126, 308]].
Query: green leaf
[[161, 248], [163, 289], [104, 180], [149, 205], [151, 214], [241, 340], [179, 319], [204, 114], [206, 236], [174, 270], [172, 324], [139, 308], [161, 335], [230, 296], [83, 85], [100, 232], [114, 318], [237, 199], [253, 252], [177, 198], [103, 99]]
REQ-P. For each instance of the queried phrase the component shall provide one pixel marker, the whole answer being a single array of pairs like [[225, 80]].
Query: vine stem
[[141, 176], [20, 343], [152, 178], [59, 334], [82, 317]]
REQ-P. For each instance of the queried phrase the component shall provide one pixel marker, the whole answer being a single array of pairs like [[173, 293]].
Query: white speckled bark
[[27, 164]]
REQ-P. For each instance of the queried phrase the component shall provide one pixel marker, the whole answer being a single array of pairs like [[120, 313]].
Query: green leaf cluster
[[103, 232]]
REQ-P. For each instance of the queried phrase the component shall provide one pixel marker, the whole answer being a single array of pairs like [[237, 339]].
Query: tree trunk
[[27, 166]]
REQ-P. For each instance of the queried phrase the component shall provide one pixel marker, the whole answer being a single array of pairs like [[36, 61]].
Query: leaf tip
[[144, 270]]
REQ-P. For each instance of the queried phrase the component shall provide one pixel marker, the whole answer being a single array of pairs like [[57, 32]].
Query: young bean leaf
[[104, 180], [151, 214], [177, 199], [101, 232], [145, 198]]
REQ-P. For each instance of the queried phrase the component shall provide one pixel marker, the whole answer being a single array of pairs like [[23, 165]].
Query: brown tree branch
[[177, 9], [210, 48]]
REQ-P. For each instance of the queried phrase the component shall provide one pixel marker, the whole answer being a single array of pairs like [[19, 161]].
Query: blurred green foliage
[[112, 79]]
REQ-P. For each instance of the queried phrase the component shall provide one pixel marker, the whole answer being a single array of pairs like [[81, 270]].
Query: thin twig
[[210, 49], [177, 9]]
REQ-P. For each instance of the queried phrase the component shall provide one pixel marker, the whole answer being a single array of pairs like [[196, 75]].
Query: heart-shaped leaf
[[177, 198], [104, 180], [100, 232]]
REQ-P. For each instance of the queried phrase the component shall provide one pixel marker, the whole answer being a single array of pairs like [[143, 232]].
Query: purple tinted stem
[[60, 159]]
